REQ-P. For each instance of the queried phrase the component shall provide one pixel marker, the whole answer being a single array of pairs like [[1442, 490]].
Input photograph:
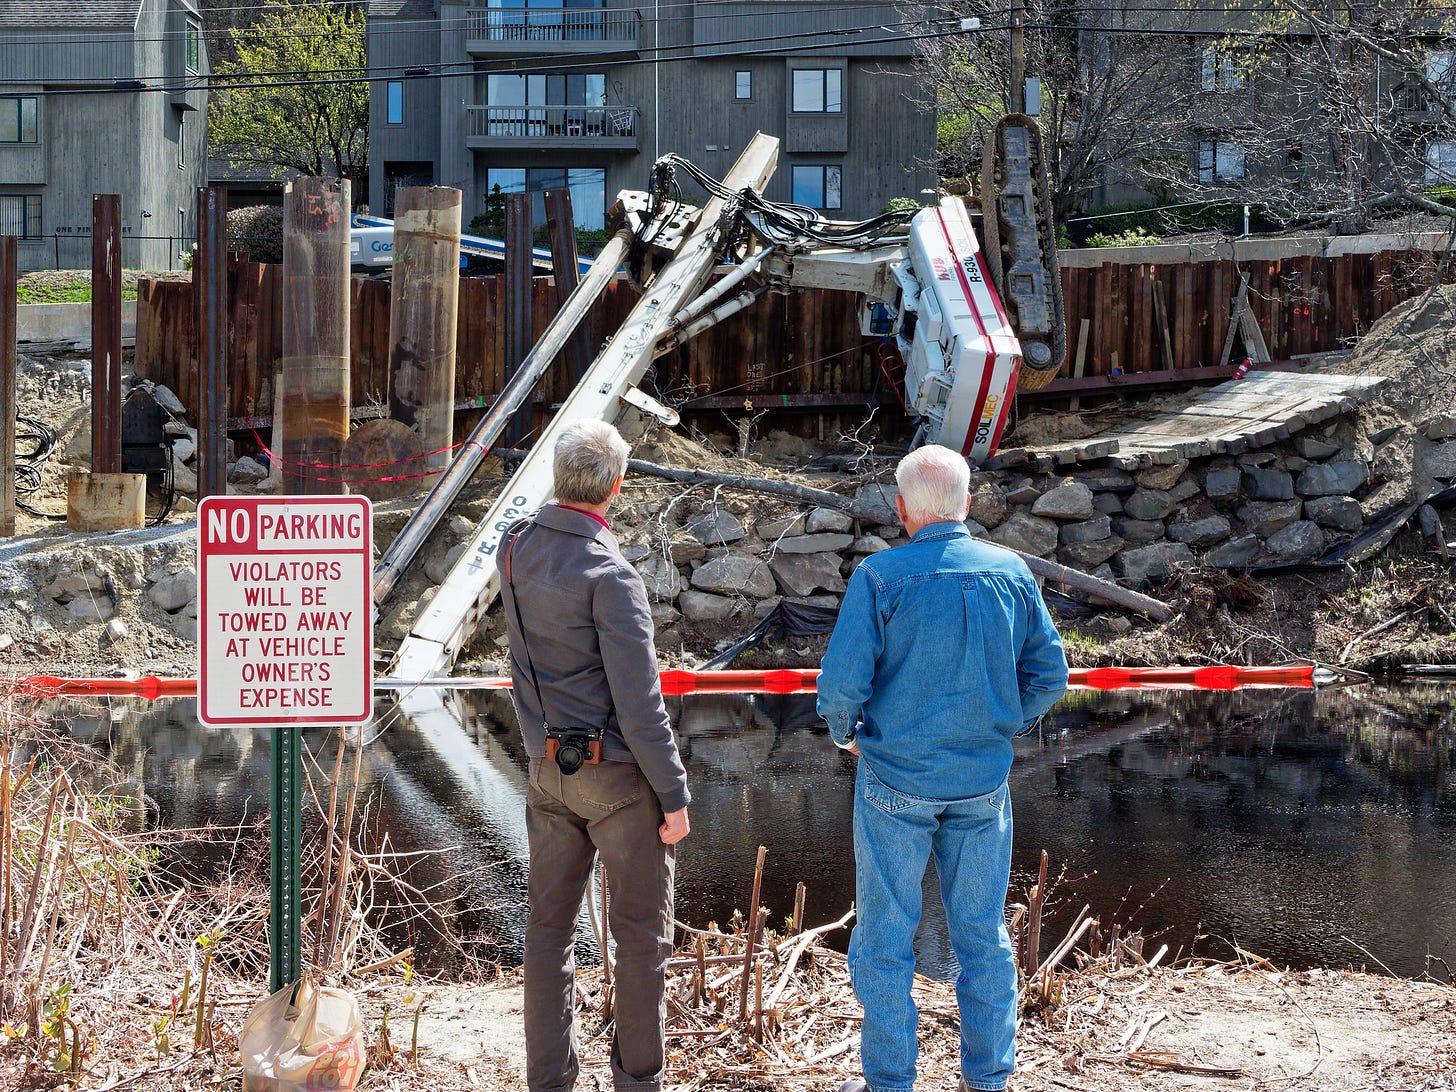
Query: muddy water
[[1299, 826]]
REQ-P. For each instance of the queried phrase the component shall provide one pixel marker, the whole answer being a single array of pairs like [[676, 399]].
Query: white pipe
[[729, 282]]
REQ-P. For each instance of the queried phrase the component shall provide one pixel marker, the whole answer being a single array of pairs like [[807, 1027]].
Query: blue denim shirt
[[943, 651]]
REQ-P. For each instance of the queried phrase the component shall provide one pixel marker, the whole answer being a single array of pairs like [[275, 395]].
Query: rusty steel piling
[[9, 286], [315, 334], [562, 225], [518, 278], [423, 309], [209, 289], [106, 333]]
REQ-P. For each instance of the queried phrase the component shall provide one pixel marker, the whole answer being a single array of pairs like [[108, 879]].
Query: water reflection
[[1292, 824]]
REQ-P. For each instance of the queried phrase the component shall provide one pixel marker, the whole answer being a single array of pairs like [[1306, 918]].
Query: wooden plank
[[1160, 312], [1237, 312]]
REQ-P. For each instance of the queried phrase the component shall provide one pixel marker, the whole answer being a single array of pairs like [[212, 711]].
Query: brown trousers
[[611, 810]]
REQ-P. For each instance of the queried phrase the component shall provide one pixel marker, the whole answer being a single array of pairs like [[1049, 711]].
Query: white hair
[[590, 456], [935, 482]]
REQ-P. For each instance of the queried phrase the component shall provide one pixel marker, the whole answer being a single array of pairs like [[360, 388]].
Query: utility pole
[[1018, 56]]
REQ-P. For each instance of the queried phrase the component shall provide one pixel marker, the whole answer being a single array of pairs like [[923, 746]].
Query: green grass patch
[[69, 291]]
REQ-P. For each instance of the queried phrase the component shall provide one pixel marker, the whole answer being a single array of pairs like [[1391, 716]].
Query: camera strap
[[521, 625]]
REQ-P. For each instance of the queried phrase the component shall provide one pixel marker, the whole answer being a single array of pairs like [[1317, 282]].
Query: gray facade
[[96, 97], [480, 93]]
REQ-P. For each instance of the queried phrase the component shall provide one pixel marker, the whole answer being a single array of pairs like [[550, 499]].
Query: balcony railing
[[504, 30], [553, 126]]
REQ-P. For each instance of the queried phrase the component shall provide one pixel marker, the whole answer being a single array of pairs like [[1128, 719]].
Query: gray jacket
[[589, 636]]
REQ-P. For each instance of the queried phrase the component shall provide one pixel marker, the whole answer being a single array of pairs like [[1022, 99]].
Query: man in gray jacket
[[583, 661]]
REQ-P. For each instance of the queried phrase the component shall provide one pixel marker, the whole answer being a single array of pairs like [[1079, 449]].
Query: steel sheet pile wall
[[804, 347]]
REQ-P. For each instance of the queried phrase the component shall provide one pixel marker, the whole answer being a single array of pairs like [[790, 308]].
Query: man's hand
[[674, 827]]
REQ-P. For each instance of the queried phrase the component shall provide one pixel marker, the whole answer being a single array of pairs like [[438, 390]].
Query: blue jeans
[[894, 836]]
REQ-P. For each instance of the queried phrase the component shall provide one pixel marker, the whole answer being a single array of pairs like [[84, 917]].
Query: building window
[[1441, 162], [818, 187], [1223, 70], [1220, 161], [20, 215], [1441, 68], [181, 140], [394, 103], [194, 47], [588, 187], [817, 91], [743, 85], [19, 119]]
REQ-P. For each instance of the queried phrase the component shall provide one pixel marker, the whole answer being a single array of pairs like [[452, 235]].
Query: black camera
[[573, 748]]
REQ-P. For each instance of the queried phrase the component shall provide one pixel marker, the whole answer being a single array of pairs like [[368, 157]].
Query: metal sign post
[[284, 820], [286, 628]]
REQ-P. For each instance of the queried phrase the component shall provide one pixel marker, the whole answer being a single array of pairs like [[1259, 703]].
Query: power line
[[378, 73], [436, 24]]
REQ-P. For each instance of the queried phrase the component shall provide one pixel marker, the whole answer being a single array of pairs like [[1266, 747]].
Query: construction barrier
[[777, 681]]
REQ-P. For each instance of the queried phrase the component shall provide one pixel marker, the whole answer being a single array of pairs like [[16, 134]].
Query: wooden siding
[[804, 344]]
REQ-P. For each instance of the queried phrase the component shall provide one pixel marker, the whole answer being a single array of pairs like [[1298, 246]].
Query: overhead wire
[[531, 64]]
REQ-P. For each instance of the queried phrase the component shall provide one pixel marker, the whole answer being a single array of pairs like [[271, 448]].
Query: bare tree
[[1114, 94], [1340, 112]]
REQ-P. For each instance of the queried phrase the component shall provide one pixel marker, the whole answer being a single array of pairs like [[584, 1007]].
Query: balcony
[[583, 128], [505, 32]]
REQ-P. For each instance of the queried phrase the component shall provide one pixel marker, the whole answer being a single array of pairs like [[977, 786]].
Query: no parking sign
[[286, 617]]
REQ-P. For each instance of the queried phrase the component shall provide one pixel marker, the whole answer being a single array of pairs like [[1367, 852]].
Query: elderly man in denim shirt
[[942, 653]]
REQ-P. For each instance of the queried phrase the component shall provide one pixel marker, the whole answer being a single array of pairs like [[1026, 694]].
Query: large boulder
[[174, 592], [828, 519], [716, 528], [1086, 556], [988, 504], [770, 529], [1440, 461], [1161, 477], [699, 606], [661, 577], [1070, 500], [812, 544], [1199, 533], [1263, 518], [1151, 562], [1223, 482], [1149, 504], [734, 575], [1268, 485], [1339, 513], [875, 503], [1106, 479], [804, 574], [1297, 542], [1233, 554], [1029, 534], [1088, 530], [1332, 479], [1139, 531]]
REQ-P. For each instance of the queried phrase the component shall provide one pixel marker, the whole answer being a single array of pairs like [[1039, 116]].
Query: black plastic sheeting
[[804, 620], [785, 620]]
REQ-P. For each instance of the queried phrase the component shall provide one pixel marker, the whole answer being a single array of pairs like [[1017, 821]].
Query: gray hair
[[590, 456], [935, 483]]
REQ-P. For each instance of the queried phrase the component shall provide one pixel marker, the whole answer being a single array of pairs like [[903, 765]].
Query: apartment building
[[101, 96], [1294, 122], [538, 94]]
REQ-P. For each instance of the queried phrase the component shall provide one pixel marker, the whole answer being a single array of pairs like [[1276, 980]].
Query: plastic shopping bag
[[308, 1042]]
